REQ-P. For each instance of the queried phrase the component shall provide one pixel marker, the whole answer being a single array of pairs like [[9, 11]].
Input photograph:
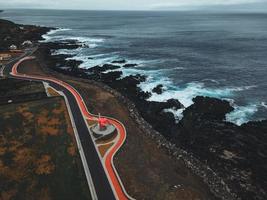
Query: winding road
[[103, 179]]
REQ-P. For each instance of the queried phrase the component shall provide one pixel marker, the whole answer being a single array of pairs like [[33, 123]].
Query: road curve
[[105, 178]]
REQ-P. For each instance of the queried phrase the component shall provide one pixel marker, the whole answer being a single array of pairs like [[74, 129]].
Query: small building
[[13, 47], [4, 56]]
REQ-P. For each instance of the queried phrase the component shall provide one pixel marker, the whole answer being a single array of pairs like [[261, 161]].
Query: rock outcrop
[[237, 154]]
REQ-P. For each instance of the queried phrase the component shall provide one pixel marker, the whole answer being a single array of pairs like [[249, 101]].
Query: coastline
[[205, 115], [214, 182], [159, 123]]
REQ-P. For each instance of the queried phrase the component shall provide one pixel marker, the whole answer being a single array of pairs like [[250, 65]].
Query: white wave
[[231, 101], [131, 71], [178, 114], [263, 104], [88, 63], [56, 35], [87, 41], [191, 90], [66, 51], [154, 81], [241, 114], [48, 37], [137, 69], [211, 80], [84, 41], [237, 89], [154, 77]]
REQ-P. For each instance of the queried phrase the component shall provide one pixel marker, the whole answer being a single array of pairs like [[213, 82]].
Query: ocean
[[222, 55]]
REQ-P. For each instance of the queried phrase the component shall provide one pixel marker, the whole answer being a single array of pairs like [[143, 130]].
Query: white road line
[[88, 175], [98, 153], [112, 158], [85, 165], [46, 86], [102, 160], [2, 71]]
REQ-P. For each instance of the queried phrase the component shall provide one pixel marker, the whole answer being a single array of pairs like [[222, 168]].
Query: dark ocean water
[[220, 55]]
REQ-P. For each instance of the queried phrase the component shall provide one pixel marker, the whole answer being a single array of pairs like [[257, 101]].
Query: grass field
[[13, 87], [12, 90], [38, 154]]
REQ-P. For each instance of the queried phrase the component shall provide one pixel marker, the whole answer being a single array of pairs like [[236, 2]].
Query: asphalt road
[[101, 184]]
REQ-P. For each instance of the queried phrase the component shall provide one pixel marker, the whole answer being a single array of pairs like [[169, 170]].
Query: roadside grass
[[38, 153], [14, 87]]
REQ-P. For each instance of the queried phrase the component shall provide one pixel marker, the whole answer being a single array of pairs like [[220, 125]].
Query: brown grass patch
[[31, 67], [7, 195], [91, 122], [44, 165], [103, 141], [104, 148], [36, 145], [23, 156], [52, 92], [72, 149]]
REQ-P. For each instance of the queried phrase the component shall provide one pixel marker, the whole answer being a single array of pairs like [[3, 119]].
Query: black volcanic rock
[[63, 45], [155, 114], [110, 67], [119, 61], [156, 107], [98, 69], [174, 104], [208, 108], [236, 153], [58, 62], [129, 86], [110, 77], [129, 65], [158, 89]]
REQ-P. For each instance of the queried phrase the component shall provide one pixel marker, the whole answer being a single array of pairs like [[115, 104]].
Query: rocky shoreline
[[209, 145], [230, 159]]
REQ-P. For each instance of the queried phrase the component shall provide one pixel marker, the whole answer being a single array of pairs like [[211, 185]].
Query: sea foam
[[184, 94], [59, 34], [49, 36], [241, 114], [263, 104], [190, 90]]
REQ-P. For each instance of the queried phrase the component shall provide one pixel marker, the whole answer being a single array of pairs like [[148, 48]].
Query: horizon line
[[147, 10]]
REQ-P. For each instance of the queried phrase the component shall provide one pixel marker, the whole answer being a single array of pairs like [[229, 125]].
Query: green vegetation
[[20, 91], [14, 87]]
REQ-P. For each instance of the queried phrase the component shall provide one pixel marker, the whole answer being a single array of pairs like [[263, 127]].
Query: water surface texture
[[221, 55]]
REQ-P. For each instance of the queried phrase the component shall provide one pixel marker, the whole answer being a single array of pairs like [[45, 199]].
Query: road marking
[[2, 71], [79, 145], [46, 86], [109, 168]]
